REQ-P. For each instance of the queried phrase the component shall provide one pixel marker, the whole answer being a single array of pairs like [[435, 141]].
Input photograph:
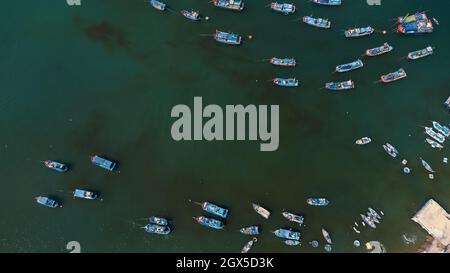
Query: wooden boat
[[316, 22], [158, 5], [337, 86], [328, 2], [417, 27], [209, 222], [85, 194], [191, 15], [249, 245], [419, 16], [385, 48], [214, 209], [292, 242], [426, 165], [359, 32], [314, 201], [327, 236], [394, 76], [390, 150], [56, 166], [236, 5], [47, 202], [350, 66], [103, 163], [261, 211], [290, 82], [434, 144], [363, 141], [283, 61], [293, 217], [444, 130], [287, 234], [436, 136], [227, 38], [157, 229], [251, 230], [158, 221], [283, 8], [420, 53]]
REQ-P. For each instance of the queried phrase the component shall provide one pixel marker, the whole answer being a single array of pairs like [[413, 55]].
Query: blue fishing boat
[[328, 2], [157, 229], [437, 136], [417, 27], [84, 194], [191, 15], [227, 38], [420, 53], [237, 5], [283, 61], [290, 82], [283, 8], [103, 163], [316, 22], [314, 201], [287, 234], [346, 85], [158, 5], [209, 222], [394, 76], [56, 166], [214, 209], [251, 230], [385, 48], [293, 217], [441, 129], [249, 245], [158, 221], [359, 32], [350, 66], [45, 201]]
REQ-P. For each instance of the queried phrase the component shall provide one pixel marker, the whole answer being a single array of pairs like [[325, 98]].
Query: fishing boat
[[374, 213], [48, 202], [283, 61], [417, 27], [419, 16], [191, 15], [363, 141], [284, 8], [316, 22], [292, 242], [350, 66], [436, 136], [390, 150], [248, 245], [373, 218], [394, 76], [314, 201], [328, 2], [337, 86], [293, 217], [227, 38], [84, 194], [385, 48], [158, 5], [434, 144], [368, 221], [236, 5], [261, 211], [359, 32], [447, 103], [251, 230], [426, 166], [157, 229], [287, 234], [209, 222], [420, 53], [327, 236], [158, 221], [103, 163], [214, 209], [441, 129], [56, 166], [290, 82]]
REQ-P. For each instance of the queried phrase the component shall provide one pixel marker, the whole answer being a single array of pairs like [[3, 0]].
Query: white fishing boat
[[248, 245], [368, 221], [426, 166], [390, 150], [363, 141], [327, 236], [436, 136], [434, 144], [261, 211], [374, 213]]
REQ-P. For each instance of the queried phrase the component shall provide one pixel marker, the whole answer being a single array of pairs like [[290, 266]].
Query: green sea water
[[102, 78]]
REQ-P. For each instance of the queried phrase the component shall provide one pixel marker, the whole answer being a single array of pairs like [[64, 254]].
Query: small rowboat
[[103, 163], [290, 82], [420, 53], [385, 48], [390, 150], [314, 201], [328, 2], [236, 5], [293, 217], [209, 222], [441, 129], [363, 141], [359, 32], [419, 16], [283, 8], [287, 234], [84, 194], [426, 166], [436, 136], [214, 209], [417, 27], [158, 5], [434, 144], [316, 22], [283, 61], [394, 76], [158, 221], [249, 245], [47, 202], [157, 229], [261, 211], [191, 15], [350, 66], [227, 38], [292, 242], [56, 166], [327, 236], [346, 85], [251, 230]]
